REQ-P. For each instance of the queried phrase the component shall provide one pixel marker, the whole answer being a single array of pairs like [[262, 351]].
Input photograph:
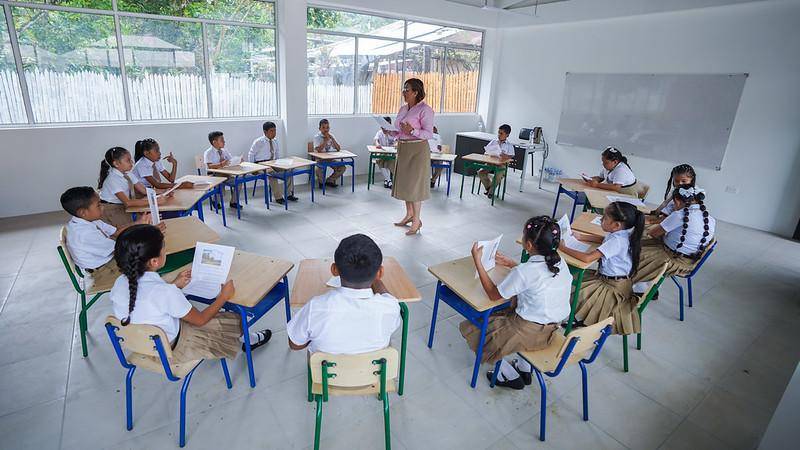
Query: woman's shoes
[[404, 222], [414, 229]]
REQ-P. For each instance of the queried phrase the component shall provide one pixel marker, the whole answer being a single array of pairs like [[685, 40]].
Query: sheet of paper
[[489, 252], [152, 201], [210, 269], [284, 161], [632, 200], [493, 149], [384, 124], [334, 282], [586, 177], [235, 161], [597, 221], [177, 185], [569, 239]]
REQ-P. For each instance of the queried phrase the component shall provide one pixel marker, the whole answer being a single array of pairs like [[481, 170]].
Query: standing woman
[[411, 183]]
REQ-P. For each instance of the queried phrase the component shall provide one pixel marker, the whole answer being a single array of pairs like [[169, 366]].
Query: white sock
[[254, 337], [507, 372], [523, 366], [640, 287], [386, 174]]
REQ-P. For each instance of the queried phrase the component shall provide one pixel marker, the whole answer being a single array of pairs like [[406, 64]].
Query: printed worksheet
[[384, 124], [489, 252], [569, 239], [152, 201], [235, 161], [210, 269], [585, 177], [493, 149]]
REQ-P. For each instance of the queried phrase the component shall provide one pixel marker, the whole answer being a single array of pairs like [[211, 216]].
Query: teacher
[[412, 172]]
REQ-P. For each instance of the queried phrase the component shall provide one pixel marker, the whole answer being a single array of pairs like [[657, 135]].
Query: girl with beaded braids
[[607, 292], [539, 291], [683, 236], [141, 296], [616, 174], [682, 174]]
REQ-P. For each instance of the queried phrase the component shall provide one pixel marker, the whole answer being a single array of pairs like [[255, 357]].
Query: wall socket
[[732, 189]]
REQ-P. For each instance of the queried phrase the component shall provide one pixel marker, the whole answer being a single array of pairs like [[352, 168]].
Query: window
[[385, 52], [218, 60]]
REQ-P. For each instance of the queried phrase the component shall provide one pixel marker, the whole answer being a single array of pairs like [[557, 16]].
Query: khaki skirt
[[601, 298], [219, 338], [652, 259], [635, 189], [411, 174], [506, 334], [114, 214]]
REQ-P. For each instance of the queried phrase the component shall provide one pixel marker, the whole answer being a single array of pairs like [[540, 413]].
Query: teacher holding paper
[[412, 171]]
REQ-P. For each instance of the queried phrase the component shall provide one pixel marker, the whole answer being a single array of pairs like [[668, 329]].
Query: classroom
[[363, 224]]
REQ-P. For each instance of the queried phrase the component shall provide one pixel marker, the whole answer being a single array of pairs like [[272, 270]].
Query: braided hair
[[613, 154], [630, 217], [143, 146], [683, 169], [112, 154], [134, 247], [689, 195], [544, 234]]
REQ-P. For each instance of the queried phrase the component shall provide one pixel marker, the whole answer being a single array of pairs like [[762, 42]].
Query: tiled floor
[[712, 381]]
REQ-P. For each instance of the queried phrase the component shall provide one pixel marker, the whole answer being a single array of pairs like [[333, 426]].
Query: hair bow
[[690, 192], [612, 149]]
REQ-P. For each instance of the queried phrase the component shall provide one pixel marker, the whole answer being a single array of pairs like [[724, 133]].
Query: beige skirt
[[506, 334], [413, 164], [635, 189], [652, 259], [114, 214], [601, 298], [219, 338]]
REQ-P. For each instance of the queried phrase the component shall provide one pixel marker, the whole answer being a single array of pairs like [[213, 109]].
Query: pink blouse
[[420, 117]]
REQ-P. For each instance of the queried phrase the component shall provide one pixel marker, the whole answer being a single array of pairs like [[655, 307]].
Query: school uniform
[[146, 168], [608, 291], [542, 303], [346, 321], [91, 246], [623, 176], [338, 170], [216, 156], [163, 305], [385, 165], [506, 149], [265, 149], [112, 207]]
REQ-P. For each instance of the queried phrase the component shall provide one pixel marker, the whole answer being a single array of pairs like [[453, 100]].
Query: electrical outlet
[[732, 189]]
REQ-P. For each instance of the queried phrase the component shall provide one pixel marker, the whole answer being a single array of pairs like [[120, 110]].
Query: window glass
[[330, 74]]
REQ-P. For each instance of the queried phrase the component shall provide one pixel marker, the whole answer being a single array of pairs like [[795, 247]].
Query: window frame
[[116, 14]]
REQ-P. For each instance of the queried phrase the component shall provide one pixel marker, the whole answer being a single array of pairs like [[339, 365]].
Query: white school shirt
[[116, 182], [346, 321], [673, 225], [144, 168], [541, 297], [157, 303], [616, 261], [211, 155], [318, 139], [622, 175], [90, 243], [259, 150], [435, 142], [505, 148], [386, 140]]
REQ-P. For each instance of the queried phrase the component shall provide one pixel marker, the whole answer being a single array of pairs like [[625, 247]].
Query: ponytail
[[143, 146], [631, 218], [545, 235], [134, 247], [613, 154], [112, 154], [688, 195], [683, 169]]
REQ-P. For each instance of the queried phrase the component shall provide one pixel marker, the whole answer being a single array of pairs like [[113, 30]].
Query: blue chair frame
[[448, 166], [689, 277], [285, 175], [578, 198], [348, 161]]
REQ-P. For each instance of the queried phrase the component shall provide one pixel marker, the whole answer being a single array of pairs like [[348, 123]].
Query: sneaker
[[292, 198], [387, 184], [517, 384], [331, 184], [263, 338], [280, 201], [526, 376]]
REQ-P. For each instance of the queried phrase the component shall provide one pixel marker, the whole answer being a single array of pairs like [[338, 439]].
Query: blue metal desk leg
[[286, 298], [353, 167], [266, 189], [449, 171], [312, 181], [433, 316], [199, 207], [247, 351], [555, 207], [285, 191], [479, 352], [238, 205], [324, 176], [222, 204]]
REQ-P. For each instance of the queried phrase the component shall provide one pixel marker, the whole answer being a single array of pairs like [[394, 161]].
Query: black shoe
[[526, 376], [320, 185], [433, 184], [655, 297], [235, 205], [263, 338], [280, 201], [517, 384], [331, 184], [292, 198], [489, 195], [387, 184], [216, 205]]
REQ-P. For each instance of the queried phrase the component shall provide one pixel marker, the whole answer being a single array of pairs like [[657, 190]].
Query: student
[[607, 291], [358, 317], [90, 241], [324, 141], [118, 187], [436, 147], [539, 291], [149, 169], [266, 148], [216, 157], [681, 237], [497, 147], [616, 174], [681, 175], [383, 138], [141, 296]]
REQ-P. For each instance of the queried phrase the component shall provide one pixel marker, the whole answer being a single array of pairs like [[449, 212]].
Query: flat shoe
[[265, 335], [517, 384]]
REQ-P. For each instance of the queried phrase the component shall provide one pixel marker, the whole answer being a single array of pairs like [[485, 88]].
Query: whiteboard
[[682, 118]]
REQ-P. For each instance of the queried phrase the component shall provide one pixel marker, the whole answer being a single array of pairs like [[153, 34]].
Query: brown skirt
[[114, 214], [601, 298], [413, 164], [635, 189], [506, 334], [219, 338], [652, 259]]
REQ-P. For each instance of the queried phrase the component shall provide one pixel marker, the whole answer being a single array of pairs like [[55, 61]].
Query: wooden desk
[[583, 223], [598, 199], [298, 166], [378, 154], [183, 233], [241, 174], [243, 168], [181, 200], [470, 142], [212, 189], [212, 180], [495, 164], [335, 159], [313, 274], [443, 161]]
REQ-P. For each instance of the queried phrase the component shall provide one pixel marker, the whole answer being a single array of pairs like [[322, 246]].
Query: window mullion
[[355, 77], [23, 84], [123, 71], [207, 65], [444, 75]]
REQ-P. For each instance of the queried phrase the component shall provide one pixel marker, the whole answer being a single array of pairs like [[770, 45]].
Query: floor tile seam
[[75, 320], [16, 277]]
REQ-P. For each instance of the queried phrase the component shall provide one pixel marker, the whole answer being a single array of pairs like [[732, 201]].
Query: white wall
[[762, 39]]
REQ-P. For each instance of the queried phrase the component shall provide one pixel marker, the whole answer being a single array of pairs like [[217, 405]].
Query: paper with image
[[489, 252], [210, 269], [568, 238], [632, 200], [384, 124], [334, 282], [493, 149], [597, 221], [152, 201]]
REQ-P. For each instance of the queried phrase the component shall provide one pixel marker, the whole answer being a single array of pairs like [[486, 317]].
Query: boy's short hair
[[214, 135], [506, 129], [323, 122], [358, 259], [76, 198], [268, 126]]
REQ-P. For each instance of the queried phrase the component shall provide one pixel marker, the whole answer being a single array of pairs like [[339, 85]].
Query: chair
[[373, 373], [706, 253], [564, 351], [146, 344], [642, 302], [442, 165], [202, 169]]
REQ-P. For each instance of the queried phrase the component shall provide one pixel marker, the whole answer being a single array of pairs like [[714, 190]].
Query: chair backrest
[[706, 253], [73, 271], [446, 148], [138, 338], [354, 370], [652, 288], [310, 146], [588, 338], [644, 188]]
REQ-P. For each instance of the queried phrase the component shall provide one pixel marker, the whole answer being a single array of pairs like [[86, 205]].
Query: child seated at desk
[[325, 142], [141, 296], [680, 175], [435, 144], [90, 241], [539, 292], [149, 169], [266, 148], [358, 317], [119, 187], [383, 138], [217, 157], [501, 148], [616, 174]]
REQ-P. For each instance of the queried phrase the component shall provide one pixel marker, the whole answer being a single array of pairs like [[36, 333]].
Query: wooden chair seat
[[546, 360], [153, 364]]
